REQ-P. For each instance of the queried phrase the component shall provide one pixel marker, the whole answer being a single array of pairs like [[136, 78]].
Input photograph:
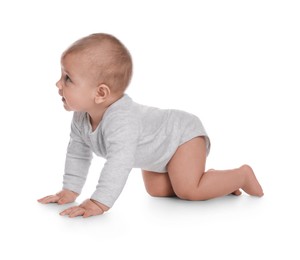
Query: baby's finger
[[52, 199], [49, 199], [67, 211], [62, 201], [92, 212], [77, 212], [42, 199], [88, 213]]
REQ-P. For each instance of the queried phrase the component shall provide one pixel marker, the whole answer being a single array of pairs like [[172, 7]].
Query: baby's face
[[76, 85]]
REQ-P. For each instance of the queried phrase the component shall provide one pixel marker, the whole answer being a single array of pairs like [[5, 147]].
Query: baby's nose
[[58, 84]]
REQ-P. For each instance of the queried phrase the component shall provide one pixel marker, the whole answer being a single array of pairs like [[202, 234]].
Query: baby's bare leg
[[190, 181], [158, 184], [236, 192]]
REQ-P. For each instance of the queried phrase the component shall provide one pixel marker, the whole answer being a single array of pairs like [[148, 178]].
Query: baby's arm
[[78, 160], [111, 182], [121, 143]]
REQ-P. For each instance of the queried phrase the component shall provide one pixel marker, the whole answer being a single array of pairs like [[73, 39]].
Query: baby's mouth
[[63, 99]]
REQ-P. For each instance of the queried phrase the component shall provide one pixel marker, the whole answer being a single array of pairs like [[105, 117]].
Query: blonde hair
[[108, 56]]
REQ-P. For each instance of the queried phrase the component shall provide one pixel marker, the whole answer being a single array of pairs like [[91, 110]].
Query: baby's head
[[108, 60]]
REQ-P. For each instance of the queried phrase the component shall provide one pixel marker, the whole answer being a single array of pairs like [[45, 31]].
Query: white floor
[[235, 64], [152, 228]]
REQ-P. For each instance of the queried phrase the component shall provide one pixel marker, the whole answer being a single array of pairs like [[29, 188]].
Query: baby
[[170, 146]]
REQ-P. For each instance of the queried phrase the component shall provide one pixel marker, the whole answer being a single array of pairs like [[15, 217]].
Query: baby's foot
[[252, 186]]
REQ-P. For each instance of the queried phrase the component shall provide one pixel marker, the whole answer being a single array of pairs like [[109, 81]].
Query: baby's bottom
[[187, 179]]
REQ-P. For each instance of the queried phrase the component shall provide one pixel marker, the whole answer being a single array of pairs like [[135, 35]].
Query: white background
[[233, 63]]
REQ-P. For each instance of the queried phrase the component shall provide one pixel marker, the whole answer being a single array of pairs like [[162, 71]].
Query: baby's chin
[[66, 107]]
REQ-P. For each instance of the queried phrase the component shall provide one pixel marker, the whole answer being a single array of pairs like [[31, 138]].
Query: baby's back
[[161, 132]]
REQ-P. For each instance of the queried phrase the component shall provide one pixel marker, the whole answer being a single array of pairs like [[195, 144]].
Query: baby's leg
[[189, 180], [236, 192], [158, 184]]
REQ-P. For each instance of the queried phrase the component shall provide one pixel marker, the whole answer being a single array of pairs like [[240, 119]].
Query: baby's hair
[[108, 56]]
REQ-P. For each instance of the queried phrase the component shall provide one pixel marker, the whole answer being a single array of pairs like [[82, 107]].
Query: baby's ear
[[102, 93]]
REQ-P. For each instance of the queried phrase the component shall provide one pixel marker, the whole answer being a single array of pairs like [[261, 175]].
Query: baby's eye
[[67, 78]]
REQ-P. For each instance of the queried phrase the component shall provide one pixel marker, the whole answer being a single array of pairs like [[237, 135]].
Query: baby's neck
[[97, 113], [95, 121]]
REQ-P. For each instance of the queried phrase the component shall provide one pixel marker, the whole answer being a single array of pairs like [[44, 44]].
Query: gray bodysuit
[[129, 136]]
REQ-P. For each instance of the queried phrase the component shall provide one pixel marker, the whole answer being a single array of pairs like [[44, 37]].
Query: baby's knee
[[190, 194], [185, 195], [154, 192], [159, 191]]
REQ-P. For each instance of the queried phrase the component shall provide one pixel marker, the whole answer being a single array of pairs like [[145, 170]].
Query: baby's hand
[[62, 197], [86, 209]]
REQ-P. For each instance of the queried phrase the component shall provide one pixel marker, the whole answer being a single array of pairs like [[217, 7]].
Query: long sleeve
[[121, 136], [78, 160]]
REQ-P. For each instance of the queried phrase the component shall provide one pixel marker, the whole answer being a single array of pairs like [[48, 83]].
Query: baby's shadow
[[170, 204]]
